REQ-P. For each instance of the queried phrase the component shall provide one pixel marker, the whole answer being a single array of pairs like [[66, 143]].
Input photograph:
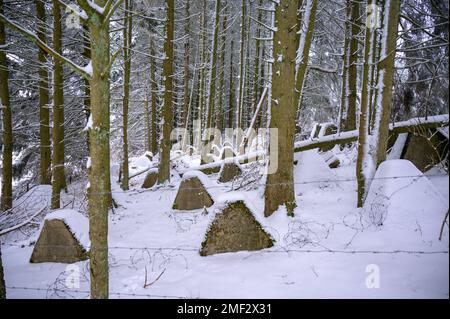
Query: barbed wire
[[280, 250], [88, 292], [172, 188]]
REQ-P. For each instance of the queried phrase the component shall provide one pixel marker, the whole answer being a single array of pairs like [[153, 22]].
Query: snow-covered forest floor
[[329, 249]]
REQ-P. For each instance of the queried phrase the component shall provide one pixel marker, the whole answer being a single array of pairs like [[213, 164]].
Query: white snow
[[76, 222], [322, 252], [399, 145]]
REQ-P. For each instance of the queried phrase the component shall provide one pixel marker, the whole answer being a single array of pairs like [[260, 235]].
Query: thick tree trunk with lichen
[[164, 164], [44, 113], [5, 106], [126, 92], [58, 178], [280, 184], [99, 193]]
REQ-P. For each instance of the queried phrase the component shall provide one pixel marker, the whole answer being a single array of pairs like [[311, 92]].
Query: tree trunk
[[99, 193], [126, 91], [2, 276], [87, 87], [352, 66], [280, 184], [219, 116], [6, 195], [58, 182], [241, 77], [164, 164], [386, 69], [304, 47], [186, 98], [361, 163], [153, 89], [212, 84], [231, 99], [44, 114]]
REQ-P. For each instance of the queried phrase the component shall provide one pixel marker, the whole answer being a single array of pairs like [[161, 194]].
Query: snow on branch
[[33, 37]]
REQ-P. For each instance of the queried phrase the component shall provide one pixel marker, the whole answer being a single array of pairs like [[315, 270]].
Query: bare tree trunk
[[386, 76], [44, 114], [280, 184], [241, 76], [58, 182], [212, 84], [154, 89], [186, 98], [164, 164], [231, 99], [304, 47], [2, 276], [201, 90], [219, 116], [87, 87], [126, 91], [352, 67], [363, 120], [6, 199], [99, 193]]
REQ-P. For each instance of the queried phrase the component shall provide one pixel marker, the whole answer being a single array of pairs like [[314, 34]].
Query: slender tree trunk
[[148, 136], [126, 91], [241, 76], [303, 51], [231, 99], [352, 66], [219, 116], [87, 87], [5, 106], [44, 114], [58, 182], [280, 184], [2, 276], [257, 74], [212, 83], [153, 89], [186, 98], [361, 163], [201, 90], [164, 164], [386, 69]]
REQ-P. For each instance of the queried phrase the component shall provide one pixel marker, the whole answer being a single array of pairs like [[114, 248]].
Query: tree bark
[[219, 116], [153, 89], [164, 164], [58, 182], [44, 100], [2, 276], [6, 195], [186, 68], [126, 91], [280, 184], [304, 47], [240, 96]]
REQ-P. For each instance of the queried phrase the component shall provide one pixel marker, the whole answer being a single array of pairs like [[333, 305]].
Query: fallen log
[[413, 125]]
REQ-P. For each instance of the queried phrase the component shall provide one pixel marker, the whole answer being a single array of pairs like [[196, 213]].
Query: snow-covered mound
[[312, 171], [77, 223], [402, 200]]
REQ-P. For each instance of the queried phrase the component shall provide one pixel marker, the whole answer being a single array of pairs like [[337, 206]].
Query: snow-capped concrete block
[[234, 227], [150, 179], [64, 238], [229, 171], [192, 192]]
